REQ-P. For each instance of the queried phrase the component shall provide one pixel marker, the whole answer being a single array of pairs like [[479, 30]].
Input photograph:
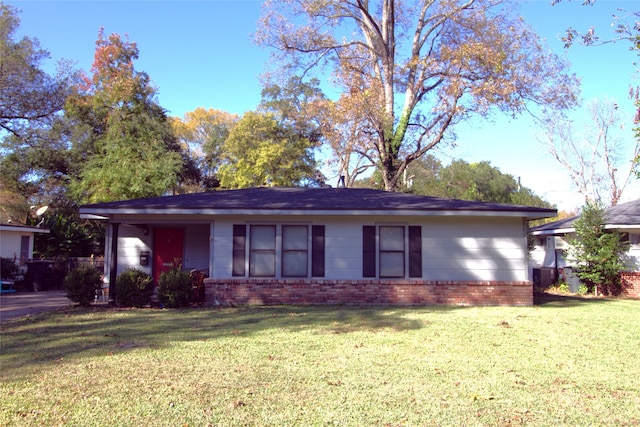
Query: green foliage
[[29, 97], [130, 145], [175, 288], [8, 269], [69, 236], [82, 283], [470, 181], [33, 146], [134, 288], [262, 151], [560, 287], [597, 252]]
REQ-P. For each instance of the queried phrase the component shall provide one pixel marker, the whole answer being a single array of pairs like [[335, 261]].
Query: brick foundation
[[631, 284], [366, 292]]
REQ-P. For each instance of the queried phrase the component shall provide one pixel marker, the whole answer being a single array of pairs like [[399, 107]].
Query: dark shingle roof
[[306, 199], [623, 214]]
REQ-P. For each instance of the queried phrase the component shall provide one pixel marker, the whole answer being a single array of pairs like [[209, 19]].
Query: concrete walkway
[[20, 304]]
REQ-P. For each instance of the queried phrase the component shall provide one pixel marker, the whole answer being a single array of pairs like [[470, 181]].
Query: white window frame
[[279, 251]]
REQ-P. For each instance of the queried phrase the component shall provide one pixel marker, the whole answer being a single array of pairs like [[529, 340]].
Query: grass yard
[[567, 361]]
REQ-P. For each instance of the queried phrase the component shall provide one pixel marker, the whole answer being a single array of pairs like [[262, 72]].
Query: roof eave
[[103, 214]]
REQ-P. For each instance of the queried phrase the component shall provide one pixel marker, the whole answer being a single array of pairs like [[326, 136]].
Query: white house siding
[[10, 244], [475, 249], [132, 241], [453, 248]]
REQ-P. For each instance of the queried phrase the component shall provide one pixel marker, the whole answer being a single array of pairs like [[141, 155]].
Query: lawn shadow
[[78, 332], [566, 300]]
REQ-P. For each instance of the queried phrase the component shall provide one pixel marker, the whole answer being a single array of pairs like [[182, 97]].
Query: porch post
[[113, 263]]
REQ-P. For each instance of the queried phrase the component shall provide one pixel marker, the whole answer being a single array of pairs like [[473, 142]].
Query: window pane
[[294, 250], [392, 238], [294, 237], [294, 264], [262, 258], [262, 264], [263, 237], [391, 264]]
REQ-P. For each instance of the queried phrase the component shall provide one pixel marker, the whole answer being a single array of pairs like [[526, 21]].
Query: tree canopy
[[467, 181], [32, 143], [29, 97], [133, 150], [415, 69]]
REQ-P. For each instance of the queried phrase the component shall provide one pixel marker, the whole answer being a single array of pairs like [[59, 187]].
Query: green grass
[[568, 361]]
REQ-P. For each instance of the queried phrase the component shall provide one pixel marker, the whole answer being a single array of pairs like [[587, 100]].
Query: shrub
[[174, 289], [82, 283], [134, 288], [8, 269]]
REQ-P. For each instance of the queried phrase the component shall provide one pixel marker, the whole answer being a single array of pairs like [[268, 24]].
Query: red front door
[[168, 245]]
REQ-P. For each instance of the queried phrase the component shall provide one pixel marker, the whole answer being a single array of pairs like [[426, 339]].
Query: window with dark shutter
[[368, 251], [239, 243], [317, 251], [262, 251], [415, 251], [392, 250], [295, 244]]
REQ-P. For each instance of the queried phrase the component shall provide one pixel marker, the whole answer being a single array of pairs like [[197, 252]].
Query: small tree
[[598, 253]]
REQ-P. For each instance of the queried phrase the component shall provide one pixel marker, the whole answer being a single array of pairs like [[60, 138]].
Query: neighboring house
[[552, 241], [16, 242], [326, 246]]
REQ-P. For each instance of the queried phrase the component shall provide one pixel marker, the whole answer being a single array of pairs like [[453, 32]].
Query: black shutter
[[239, 243], [368, 251], [317, 251], [415, 251]]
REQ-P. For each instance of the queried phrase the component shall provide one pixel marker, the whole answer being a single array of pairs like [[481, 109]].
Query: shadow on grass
[[79, 332], [565, 300]]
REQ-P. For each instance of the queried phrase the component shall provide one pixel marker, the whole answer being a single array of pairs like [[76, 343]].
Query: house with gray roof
[[553, 240], [326, 246]]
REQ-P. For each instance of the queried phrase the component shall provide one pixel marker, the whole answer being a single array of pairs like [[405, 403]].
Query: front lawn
[[568, 361]]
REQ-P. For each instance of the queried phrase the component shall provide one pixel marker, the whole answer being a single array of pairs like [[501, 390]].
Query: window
[[239, 245], [294, 250], [287, 249], [24, 249], [385, 249], [391, 251], [262, 251]]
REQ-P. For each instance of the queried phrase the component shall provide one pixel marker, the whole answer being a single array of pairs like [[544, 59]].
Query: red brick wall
[[366, 292], [631, 284]]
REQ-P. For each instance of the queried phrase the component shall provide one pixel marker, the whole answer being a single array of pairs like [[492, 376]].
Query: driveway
[[20, 304]]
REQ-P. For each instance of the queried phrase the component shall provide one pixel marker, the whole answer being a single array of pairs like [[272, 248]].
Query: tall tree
[[29, 97], [262, 151], [32, 152], [626, 28], [468, 181], [129, 143], [596, 153], [425, 65], [202, 132]]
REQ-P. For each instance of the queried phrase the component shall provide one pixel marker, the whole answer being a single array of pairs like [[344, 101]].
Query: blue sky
[[201, 54]]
